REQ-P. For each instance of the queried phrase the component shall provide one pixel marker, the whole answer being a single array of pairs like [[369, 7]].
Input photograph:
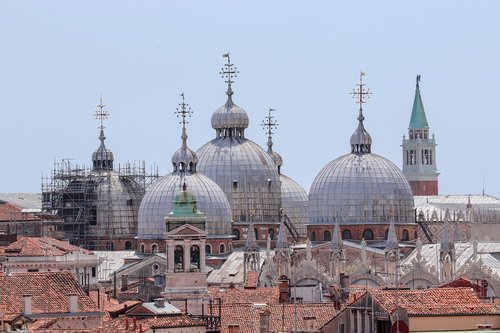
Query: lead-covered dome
[[294, 202], [229, 116], [159, 199], [360, 187]]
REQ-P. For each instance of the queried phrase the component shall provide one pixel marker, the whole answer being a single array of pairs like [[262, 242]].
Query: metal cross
[[270, 123], [184, 110], [229, 71], [101, 114], [418, 79], [360, 93]]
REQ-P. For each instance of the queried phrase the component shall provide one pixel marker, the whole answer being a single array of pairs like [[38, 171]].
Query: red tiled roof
[[10, 212], [39, 246], [49, 292], [239, 295], [282, 318], [437, 301], [120, 324]]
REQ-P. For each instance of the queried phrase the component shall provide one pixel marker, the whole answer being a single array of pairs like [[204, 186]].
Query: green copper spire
[[418, 118]]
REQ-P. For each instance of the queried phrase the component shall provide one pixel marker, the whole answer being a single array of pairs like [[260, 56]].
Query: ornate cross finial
[[101, 114], [184, 110], [229, 71], [270, 123], [360, 93]]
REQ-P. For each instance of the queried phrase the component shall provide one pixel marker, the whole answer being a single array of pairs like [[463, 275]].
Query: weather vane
[[360, 93], [270, 123], [184, 110], [229, 71], [101, 114]]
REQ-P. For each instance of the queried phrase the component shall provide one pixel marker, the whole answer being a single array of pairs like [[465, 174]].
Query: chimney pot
[[73, 303]]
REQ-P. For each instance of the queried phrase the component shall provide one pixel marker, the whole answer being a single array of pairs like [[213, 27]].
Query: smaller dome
[[102, 157], [278, 160], [185, 204], [229, 116], [294, 201], [184, 158]]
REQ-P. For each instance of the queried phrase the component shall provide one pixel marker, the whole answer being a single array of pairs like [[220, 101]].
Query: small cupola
[[361, 140], [102, 157], [184, 159]]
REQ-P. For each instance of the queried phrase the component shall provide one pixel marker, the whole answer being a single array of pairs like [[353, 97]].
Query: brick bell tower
[[419, 151]]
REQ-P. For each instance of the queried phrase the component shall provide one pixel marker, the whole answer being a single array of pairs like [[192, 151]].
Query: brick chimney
[[309, 323], [265, 317], [284, 289], [124, 282], [27, 308], [73, 303], [233, 328]]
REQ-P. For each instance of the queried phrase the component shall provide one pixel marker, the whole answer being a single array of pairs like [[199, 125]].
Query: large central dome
[[244, 171], [360, 187]]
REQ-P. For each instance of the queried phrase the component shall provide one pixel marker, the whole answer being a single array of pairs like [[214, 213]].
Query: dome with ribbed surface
[[246, 174], [229, 116], [360, 187], [158, 203], [102, 157], [294, 203]]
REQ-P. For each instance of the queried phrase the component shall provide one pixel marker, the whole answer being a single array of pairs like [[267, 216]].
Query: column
[[202, 255], [170, 256], [187, 255]]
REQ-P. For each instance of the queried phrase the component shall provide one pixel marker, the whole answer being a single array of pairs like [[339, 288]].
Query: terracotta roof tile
[[120, 324], [239, 295], [287, 316], [49, 292], [10, 212], [437, 301], [39, 246]]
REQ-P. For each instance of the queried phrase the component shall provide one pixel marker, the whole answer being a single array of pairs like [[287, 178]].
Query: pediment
[[186, 230]]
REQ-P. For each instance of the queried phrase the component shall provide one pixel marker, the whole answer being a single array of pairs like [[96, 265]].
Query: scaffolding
[[71, 192]]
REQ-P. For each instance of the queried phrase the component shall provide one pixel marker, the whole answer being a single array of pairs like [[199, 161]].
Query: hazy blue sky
[[302, 58]]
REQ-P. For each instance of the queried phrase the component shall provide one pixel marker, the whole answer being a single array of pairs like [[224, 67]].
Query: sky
[[300, 58]]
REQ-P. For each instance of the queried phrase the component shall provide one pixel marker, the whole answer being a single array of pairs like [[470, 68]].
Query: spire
[[102, 158], [418, 118], [268, 124], [392, 240], [336, 243], [361, 140], [229, 120], [446, 231], [184, 159], [250, 241], [281, 241]]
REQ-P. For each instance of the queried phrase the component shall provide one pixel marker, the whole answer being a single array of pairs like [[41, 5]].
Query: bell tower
[[419, 151]]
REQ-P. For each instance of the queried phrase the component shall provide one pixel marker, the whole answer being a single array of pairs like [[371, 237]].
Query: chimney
[[27, 310], [265, 316], [233, 328], [284, 289], [309, 324], [124, 282], [344, 284], [159, 302], [140, 328], [72, 303], [126, 324]]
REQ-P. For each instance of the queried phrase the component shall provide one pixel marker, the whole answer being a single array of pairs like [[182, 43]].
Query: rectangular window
[[413, 157], [93, 271]]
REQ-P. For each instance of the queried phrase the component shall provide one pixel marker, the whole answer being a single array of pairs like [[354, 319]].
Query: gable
[[186, 230]]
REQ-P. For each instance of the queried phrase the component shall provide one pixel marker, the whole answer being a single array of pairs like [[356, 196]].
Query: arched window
[[368, 234], [271, 233], [222, 249], [405, 235], [236, 233], [142, 248], [327, 236], [256, 231], [386, 233], [128, 245], [346, 234], [195, 257], [154, 248], [313, 236], [208, 249], [179, 258]]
